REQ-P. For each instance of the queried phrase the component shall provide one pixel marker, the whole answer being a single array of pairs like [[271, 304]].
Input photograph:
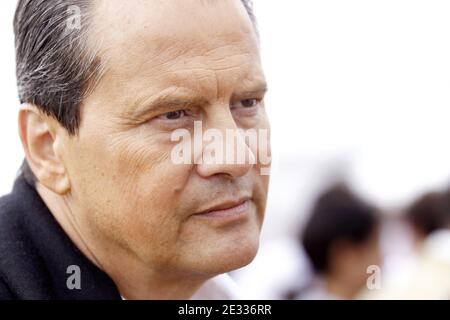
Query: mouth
[[231, 209]]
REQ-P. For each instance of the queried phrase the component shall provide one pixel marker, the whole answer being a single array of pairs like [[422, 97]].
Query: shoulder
[[10, 222], [20, 265], [9, 240], [5, 292], [8, 206], [35, 253]]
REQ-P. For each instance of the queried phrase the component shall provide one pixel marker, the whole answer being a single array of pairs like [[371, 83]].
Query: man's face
[[168, 64]]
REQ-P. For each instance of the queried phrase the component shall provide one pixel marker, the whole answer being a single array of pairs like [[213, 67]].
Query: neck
[[133, 278]]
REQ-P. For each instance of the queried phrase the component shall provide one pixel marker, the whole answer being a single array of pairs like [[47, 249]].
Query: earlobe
[[39, 135]]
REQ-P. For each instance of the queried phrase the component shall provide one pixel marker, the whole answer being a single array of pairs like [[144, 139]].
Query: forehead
[[190, 42]]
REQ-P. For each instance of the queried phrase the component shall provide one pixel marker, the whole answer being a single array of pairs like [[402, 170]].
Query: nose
[[225, 151]]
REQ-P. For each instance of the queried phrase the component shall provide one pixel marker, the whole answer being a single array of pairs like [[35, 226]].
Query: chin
[[239, 258], [226, 256]]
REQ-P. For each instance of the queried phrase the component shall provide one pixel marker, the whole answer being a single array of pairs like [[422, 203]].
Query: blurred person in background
[[428, 275], [341, 240], [427, 215]]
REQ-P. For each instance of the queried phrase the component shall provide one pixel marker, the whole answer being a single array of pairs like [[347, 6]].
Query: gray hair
[[56, 68]]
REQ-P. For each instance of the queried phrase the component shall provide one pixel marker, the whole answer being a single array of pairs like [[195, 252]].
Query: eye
[[246, 103], [173, 115]]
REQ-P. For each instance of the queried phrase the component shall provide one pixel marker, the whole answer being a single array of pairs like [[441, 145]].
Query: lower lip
[[236, 212]]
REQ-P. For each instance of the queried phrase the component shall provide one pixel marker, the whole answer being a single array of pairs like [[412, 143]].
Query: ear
[[40, 136]]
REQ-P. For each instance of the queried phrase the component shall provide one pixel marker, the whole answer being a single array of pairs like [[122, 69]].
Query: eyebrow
[[167, 99], [163, 100], [259, 90]]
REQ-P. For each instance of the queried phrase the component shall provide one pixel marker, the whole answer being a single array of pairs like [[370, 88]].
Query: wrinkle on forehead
[[177, 25]]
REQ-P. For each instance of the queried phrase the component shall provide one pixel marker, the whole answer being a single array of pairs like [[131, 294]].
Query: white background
[[11, 153], [357, 90]]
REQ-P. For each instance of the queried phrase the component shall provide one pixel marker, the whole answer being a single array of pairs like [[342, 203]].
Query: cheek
[[264, 161], [145, 173], [132, 187], [260, 196]]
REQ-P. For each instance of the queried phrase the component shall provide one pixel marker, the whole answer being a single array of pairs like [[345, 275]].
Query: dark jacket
[[35, 254]]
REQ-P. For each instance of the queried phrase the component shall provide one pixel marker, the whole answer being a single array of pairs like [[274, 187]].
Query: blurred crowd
[[355, 250]]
